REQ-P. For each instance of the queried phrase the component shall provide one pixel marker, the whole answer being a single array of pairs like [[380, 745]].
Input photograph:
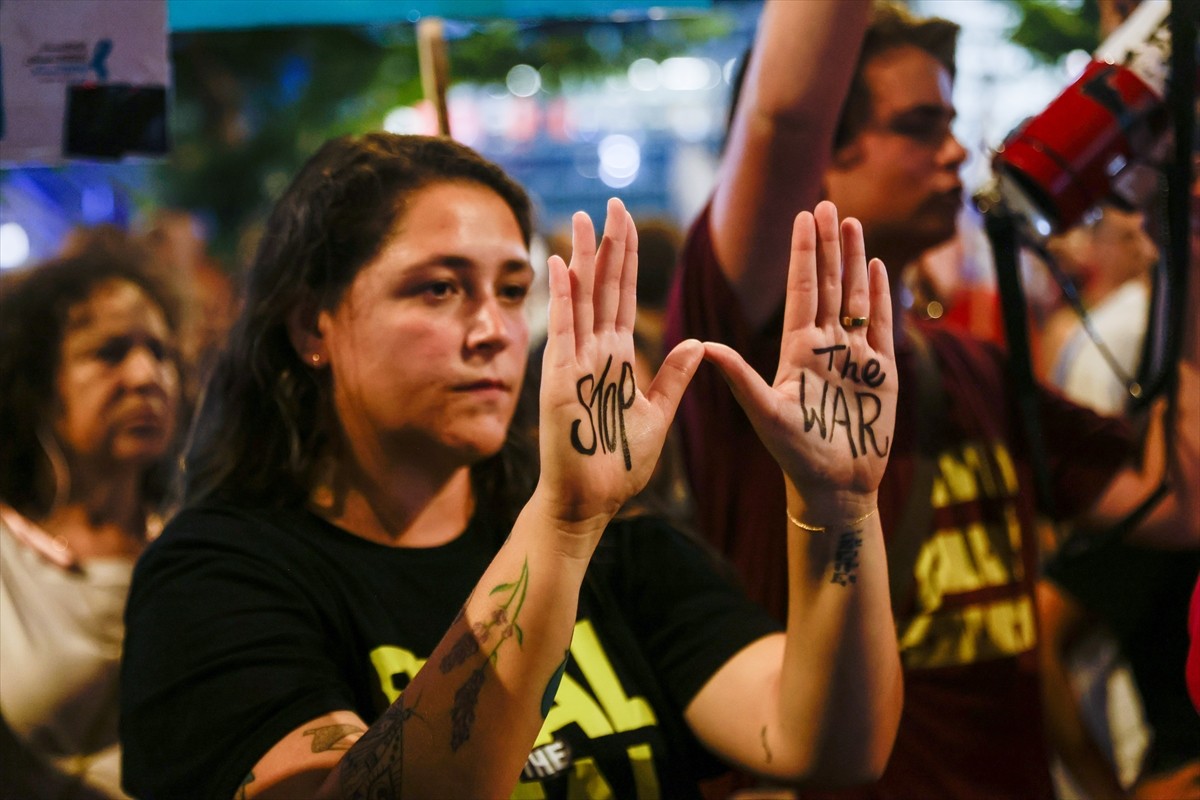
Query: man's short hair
[[892, 25]]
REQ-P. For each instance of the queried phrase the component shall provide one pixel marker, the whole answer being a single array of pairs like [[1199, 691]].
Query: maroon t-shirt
[[972, 720]]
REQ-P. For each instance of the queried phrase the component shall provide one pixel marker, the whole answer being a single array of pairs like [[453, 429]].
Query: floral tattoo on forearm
[[374, 766], [505, 618]]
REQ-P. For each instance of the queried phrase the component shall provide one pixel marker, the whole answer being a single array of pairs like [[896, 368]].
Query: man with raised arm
[[958, 503]]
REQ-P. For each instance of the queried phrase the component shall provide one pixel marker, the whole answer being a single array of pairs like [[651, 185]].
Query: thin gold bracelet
[[821, 528]]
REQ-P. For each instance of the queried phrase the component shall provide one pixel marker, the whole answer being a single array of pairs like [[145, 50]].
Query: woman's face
[[118, 383], [427, 346]]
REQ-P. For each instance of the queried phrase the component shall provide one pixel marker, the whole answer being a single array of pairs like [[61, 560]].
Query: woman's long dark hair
[[266, 420], [35, 305]]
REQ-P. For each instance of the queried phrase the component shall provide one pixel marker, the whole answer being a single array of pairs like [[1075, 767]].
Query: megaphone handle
[[1001, 227]]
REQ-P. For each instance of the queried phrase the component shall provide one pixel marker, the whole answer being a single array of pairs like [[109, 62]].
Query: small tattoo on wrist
[[845, 558]]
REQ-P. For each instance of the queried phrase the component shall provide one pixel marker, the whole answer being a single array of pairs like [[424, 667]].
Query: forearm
[[1070, 740], [780, 140], [1173, 442], [1068, 737], [820, 703], [1170, 455], [786, 82], [466, 723], [840, 689]]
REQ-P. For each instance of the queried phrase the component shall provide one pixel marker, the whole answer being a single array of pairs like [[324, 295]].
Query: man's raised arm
[[780, 140]]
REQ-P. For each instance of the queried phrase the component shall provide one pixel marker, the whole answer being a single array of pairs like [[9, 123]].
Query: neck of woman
[[408, 506], [101, 519]]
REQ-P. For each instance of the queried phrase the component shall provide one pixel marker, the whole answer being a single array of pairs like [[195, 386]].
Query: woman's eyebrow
[[458, 262], [517, 265]]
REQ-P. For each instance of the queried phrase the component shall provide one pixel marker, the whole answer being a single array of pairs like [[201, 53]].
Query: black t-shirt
[[244, 624]]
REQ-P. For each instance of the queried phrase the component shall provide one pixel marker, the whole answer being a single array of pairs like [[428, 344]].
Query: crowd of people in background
[[343, 523]]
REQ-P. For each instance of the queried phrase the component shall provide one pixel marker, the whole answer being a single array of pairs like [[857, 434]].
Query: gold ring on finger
[[854, 322]]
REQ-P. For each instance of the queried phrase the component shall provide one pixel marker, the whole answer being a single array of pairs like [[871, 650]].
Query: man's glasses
[[926, 125]]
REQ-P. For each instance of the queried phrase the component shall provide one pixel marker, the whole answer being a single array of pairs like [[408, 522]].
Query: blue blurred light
[[97, 204], [294, 76]]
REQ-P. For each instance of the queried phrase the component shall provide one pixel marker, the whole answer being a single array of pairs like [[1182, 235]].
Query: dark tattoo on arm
[[332, 737], [605, 403], [464, 647], [374, 766], [835, 409], [505, 617], [766, 747], [845, 559]]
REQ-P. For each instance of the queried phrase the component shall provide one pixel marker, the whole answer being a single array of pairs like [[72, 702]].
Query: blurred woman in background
[[89, 397]]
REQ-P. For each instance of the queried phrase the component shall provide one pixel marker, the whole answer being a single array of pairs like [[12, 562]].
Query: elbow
[[870, 761], [889, 727], [872, 765], [848, 768], [857, 752], [852, 766]]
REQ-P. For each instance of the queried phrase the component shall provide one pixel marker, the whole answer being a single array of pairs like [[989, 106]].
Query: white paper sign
[[81, 79]]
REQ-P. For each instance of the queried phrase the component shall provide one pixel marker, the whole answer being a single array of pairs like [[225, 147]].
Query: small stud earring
[[316, 358]]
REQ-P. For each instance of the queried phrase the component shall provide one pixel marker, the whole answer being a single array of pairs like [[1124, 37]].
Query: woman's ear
[[305, 334]]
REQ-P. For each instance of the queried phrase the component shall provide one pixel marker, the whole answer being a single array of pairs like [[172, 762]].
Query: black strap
[[1181, 96], [1002, 231]]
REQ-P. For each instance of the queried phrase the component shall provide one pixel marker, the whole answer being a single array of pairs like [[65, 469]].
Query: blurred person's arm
[[1172, 446], [780, 140], [1181, 782], [1062, 619], [1052, 342]]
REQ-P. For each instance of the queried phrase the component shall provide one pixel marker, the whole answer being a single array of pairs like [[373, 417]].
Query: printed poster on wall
[[82, 79]]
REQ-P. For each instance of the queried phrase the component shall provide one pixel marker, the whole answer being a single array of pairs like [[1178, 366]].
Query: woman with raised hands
[[374, 590]]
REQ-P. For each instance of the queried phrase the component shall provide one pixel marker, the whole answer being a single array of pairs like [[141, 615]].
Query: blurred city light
[[689, 74], [404, 120], [644, 75], [97, 203], [620, 159], [14, 245], [523, 80], [691, 123]]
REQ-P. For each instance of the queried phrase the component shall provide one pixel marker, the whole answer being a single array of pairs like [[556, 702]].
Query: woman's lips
[[483, 384], [485, 388]]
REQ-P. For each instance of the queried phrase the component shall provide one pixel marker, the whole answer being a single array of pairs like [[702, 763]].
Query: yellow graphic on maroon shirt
[[600, 709], [984, 552]]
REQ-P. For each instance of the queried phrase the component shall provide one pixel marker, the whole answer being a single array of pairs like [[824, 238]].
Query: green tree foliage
[[250, 106], [1049, 29]]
